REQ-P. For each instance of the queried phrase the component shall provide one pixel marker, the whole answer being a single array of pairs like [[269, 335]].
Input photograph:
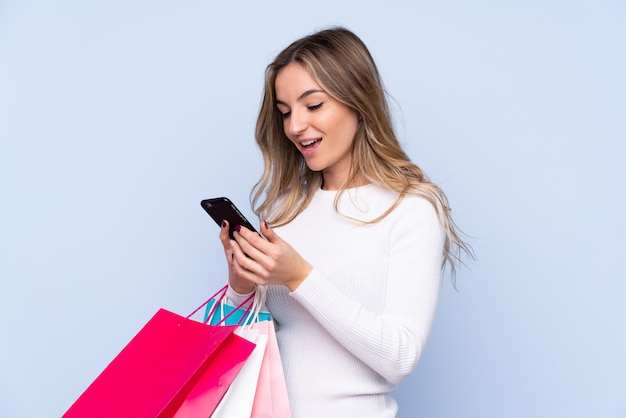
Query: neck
[[332, 183]]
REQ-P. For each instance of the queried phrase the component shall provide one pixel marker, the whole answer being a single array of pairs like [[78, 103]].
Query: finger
[[269, 233], [248, 249], [266, 252], [251, 241], [246, 267], [224, 238], [226, 241]]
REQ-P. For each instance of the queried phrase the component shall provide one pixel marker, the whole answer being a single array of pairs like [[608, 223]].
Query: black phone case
[[221, 208]]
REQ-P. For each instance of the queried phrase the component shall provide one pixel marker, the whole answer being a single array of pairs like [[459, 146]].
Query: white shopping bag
[[238, 400]]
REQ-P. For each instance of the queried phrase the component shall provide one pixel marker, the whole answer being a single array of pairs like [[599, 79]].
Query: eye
[[315, 107], [285, 115]]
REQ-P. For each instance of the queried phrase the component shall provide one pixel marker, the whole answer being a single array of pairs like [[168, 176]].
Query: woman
[[356, 236]]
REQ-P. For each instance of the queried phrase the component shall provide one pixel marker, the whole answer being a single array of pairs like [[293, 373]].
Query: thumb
[[269, 233]]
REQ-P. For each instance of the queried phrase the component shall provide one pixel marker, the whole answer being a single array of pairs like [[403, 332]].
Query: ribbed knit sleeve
[[389, 338]]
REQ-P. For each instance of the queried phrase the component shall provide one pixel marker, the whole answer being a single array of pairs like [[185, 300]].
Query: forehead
[[292, 81]]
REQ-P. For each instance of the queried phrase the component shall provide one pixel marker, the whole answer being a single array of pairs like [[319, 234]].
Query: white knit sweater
[[358, 324]]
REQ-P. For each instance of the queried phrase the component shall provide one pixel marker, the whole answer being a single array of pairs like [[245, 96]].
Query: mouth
[[308, 144]]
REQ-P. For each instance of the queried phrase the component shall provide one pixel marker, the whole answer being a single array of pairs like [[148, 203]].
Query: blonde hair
[[342, 65]]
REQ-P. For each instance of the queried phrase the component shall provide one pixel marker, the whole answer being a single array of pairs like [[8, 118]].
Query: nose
[[296, 123]]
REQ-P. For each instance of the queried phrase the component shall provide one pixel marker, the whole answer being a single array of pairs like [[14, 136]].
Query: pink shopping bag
[[155, 373], [222, 370], [271, 399]]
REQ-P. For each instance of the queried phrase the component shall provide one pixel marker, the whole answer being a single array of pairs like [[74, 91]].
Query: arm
[[390, 342]]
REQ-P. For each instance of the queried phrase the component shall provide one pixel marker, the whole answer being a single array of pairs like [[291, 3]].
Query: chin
[[315, 167]]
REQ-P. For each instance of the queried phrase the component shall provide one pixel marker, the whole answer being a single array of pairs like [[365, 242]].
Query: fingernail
[[232, 256], [223, 224], [238, 228], [265, 224]]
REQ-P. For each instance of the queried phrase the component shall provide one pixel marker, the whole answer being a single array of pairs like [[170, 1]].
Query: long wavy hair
[[342, 65]]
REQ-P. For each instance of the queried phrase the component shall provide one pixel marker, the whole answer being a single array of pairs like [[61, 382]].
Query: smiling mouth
[[310, 144]]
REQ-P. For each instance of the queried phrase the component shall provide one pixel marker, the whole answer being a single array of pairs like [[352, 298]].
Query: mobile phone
[[221, 208]]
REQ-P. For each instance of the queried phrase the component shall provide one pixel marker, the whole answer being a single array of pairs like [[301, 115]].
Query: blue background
[[117, 118]]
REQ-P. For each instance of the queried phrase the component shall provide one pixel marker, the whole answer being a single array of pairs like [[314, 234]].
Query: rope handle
[[222, 294], [250, 316]]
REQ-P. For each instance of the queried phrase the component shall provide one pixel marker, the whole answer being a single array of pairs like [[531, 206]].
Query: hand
[[237, 283], [267, 262]]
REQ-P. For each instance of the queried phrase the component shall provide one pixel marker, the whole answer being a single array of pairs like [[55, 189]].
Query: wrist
[[300, 277], [243, 289]]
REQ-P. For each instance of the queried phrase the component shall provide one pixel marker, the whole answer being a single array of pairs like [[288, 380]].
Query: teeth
[[307, 143]]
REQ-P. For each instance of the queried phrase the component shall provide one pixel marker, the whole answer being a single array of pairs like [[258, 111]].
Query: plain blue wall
[[117, 118]]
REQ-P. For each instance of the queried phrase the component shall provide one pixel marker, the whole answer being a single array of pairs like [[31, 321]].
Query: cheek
[[349, 126]]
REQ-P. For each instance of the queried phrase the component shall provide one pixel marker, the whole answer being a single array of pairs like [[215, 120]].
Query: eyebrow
[[302, 96]]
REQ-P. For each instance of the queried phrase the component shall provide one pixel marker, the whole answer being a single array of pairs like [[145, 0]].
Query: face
[[320, 127]]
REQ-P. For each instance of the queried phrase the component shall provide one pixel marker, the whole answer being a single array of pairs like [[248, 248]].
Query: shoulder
[[415, 211], [415, 225], [418, 204]]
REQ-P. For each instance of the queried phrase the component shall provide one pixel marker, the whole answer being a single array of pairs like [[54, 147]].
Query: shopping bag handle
[[222, 293], [250, 315]]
